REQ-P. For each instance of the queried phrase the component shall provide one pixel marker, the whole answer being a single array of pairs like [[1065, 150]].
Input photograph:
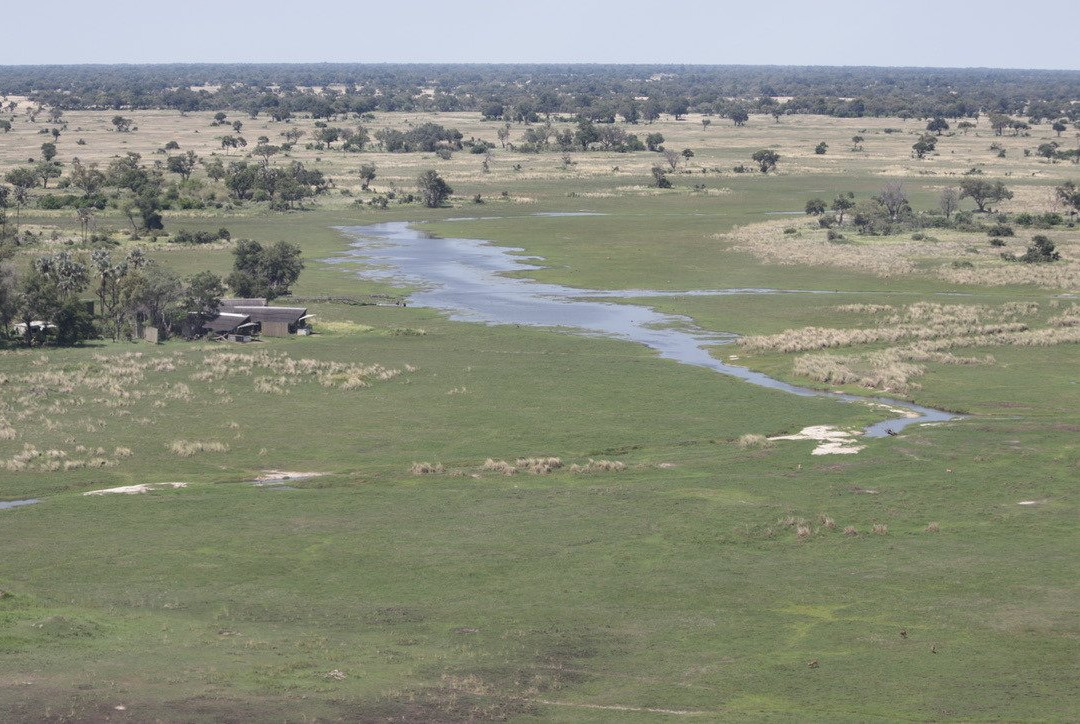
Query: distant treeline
[[527, 92]]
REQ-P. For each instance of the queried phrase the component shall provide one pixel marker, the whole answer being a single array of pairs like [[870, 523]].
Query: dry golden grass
[[598, 466], [538, 466], [118, 381], [930, 330], [901, 255], [189, 448], [499, 466]]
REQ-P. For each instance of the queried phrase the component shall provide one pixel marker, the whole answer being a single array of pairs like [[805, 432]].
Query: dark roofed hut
[[275, 321], [227, 323]]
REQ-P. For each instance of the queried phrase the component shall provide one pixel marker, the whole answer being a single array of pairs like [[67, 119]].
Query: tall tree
[[982, 191], [433, 189]]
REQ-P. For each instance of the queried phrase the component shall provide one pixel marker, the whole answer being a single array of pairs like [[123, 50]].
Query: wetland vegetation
[[420, 512]]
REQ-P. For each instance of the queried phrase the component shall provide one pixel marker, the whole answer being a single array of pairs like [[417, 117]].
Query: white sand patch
[[134, 489], [902, 412], [280, 476], [1032, 502], [832, 440]]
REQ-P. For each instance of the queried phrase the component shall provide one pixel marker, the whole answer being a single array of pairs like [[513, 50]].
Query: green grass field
[[708, 579]]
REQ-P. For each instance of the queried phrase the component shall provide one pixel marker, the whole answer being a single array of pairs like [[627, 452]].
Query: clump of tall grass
[[827, 521], [538, 466], [803, 532], [752, 441], [7, 432], [122, 452], [933, 528], [598, 466], [850, 531], [427, 469], [188, 448], [499, 466], [881, 529]]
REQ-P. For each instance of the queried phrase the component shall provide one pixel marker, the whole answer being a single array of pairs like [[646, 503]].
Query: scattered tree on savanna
[[202, 295], [821, 149], [292, 135], [5, 125], [230, 142], [739, 116], [842, 204], [503, 134], [937, 125], [1069, 194], [156, 293], [9, 296], [660, 178], [237, 126], [856, 143], [982, 191], [433, 189], [653, 141], [671, 157], [705, 123], [925, 145], [46, 170], [965, 126], [48, 292], [111, 280], [999, 122], [893, 199], [268, 271], [22, 180], [1041, 251], [949, 201], [215, 168], [815, 207], [687, 154], [766, 159], [367, 175], [48, 151], [678, 107], [121, 124], [1048, 151], [265, 151], [184, 164], [85, 216], [1060, 126]]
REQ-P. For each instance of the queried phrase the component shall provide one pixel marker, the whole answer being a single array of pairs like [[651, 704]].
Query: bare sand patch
[[269, 477], [831, 440], [135, 489]]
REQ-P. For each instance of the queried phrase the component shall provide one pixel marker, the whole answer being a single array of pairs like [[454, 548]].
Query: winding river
[[467, 278]]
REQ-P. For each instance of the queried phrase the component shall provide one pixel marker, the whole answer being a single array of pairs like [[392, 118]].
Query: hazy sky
[[809, 32]]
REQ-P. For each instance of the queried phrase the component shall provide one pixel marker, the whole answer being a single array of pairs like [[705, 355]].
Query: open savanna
[[707, 579]]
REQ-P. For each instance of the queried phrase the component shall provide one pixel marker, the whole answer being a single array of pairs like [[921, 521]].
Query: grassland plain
[[707, 579]]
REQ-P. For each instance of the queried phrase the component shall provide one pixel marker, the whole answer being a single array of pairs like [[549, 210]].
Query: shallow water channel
[[467, 278]]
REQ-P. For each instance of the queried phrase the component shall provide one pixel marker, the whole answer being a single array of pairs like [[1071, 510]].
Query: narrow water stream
[[467, 278]]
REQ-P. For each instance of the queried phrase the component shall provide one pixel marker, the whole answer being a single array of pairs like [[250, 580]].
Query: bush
[[200, 237], [997, 242], [1000, 230], [51, 202]]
